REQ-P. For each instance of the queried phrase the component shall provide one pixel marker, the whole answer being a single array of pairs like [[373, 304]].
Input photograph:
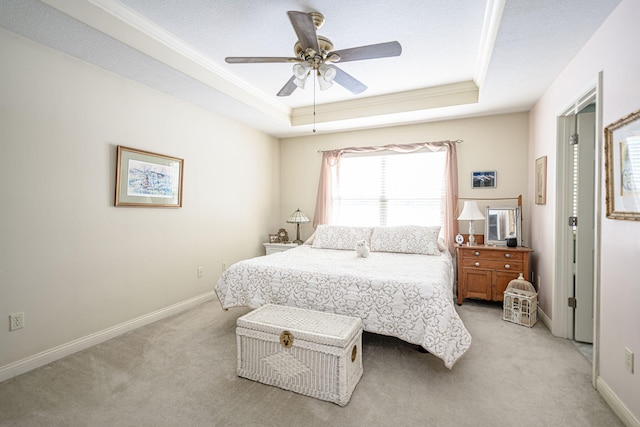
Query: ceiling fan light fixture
[[314, 53], [300, 82], [324, 84], [300, 71], [327, 73]]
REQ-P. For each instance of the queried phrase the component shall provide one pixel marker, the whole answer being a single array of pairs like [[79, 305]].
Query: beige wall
[[73, 263], [608, 51], [490, 143]]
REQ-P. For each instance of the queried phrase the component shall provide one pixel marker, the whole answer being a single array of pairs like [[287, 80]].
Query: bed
[[402, 289]]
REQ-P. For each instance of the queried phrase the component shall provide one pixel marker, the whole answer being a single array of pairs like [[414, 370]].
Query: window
[[390, 189]]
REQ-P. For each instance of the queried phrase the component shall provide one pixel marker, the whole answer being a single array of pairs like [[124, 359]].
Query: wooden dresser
[[485, 271]]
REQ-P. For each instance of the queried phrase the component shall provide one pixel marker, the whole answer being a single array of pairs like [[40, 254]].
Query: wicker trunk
[[310, 352]]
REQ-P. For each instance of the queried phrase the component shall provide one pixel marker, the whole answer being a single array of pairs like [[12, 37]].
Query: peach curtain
[[331, 163]]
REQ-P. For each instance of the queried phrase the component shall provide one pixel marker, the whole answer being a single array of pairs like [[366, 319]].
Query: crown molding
[[127, 26], [490, 27], [415, 100]]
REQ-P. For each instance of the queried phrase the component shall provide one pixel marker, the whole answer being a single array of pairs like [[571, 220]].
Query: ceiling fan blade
[[288, 88], [305, 30], [380, 50], [258, 59], [348, 81]]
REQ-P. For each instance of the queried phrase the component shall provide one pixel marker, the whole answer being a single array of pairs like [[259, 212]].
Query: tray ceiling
[[459, 58]]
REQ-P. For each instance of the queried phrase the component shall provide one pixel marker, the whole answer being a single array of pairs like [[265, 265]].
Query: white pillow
[[409, 239], [340, 236], [309, 241]]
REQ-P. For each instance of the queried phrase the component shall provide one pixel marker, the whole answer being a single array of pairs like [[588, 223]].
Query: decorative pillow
[[410, 239], [340, 236], [309, 241]]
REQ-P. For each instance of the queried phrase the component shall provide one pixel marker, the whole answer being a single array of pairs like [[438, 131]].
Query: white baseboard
[[545, 319], [616, 404], [53, 354], [605, 391]]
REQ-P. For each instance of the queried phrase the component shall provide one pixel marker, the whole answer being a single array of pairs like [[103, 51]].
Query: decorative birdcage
[[520, 302]]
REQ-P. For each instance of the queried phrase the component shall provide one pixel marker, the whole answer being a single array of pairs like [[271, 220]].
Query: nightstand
[[485, 271], [278, 247]]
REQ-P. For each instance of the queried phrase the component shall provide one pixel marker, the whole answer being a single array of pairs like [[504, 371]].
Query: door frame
[[562, 314]]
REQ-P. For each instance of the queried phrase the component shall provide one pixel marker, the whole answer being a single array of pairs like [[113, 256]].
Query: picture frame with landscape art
[[483, 179], [622, 168], [148, 179]]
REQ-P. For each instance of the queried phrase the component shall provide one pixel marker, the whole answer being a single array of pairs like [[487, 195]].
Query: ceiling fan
[[315, 54]]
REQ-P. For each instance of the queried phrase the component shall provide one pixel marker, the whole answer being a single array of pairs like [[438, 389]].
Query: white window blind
[[390, 189]]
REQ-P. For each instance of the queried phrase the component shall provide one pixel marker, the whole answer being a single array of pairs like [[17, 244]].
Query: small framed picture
[[274, 238], [283, 235], [541, 180], [148, 179], [484, 179]]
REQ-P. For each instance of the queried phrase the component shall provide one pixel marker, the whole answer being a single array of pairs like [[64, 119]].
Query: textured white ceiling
[[250, 28], [179, 48]]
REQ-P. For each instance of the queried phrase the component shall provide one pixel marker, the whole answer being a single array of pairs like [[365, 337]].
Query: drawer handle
[[477, 264], [507, 266], [476, 253], [507, 255]]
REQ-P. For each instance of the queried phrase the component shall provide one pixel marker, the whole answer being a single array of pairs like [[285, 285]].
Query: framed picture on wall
[[484, 179], [541, 180], [622, 167], [148, 179]]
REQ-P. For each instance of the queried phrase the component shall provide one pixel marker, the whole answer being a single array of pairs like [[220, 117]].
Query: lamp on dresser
[[297, 218], [471, 212]]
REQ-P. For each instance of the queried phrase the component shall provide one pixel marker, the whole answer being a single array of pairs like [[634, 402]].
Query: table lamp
[[471, 212], [297, 218]]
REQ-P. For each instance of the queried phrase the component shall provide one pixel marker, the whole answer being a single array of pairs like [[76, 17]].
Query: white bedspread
[[402, 295]]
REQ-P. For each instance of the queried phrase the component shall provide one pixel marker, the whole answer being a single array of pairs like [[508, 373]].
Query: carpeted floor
[[180, 371]]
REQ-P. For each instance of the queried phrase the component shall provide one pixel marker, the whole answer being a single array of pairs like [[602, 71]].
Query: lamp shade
[[297, 217], [324, 84], [301, 71], [327, 72], [471, 212]]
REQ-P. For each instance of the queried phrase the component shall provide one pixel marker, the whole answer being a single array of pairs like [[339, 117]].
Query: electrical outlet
[[224, 265], [200, 272], [628, 360], [16, 321]]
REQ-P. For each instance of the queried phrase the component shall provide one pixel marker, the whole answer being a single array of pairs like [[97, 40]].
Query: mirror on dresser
[[502, 223]]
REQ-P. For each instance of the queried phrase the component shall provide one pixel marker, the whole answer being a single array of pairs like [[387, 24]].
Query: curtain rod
[[458, 141], [489, 198]]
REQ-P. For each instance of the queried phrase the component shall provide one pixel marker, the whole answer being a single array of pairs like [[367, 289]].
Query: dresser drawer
[[493, 255], [493, 264]]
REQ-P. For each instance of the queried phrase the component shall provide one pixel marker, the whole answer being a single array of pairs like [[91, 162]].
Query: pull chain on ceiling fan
[[315, 54]]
